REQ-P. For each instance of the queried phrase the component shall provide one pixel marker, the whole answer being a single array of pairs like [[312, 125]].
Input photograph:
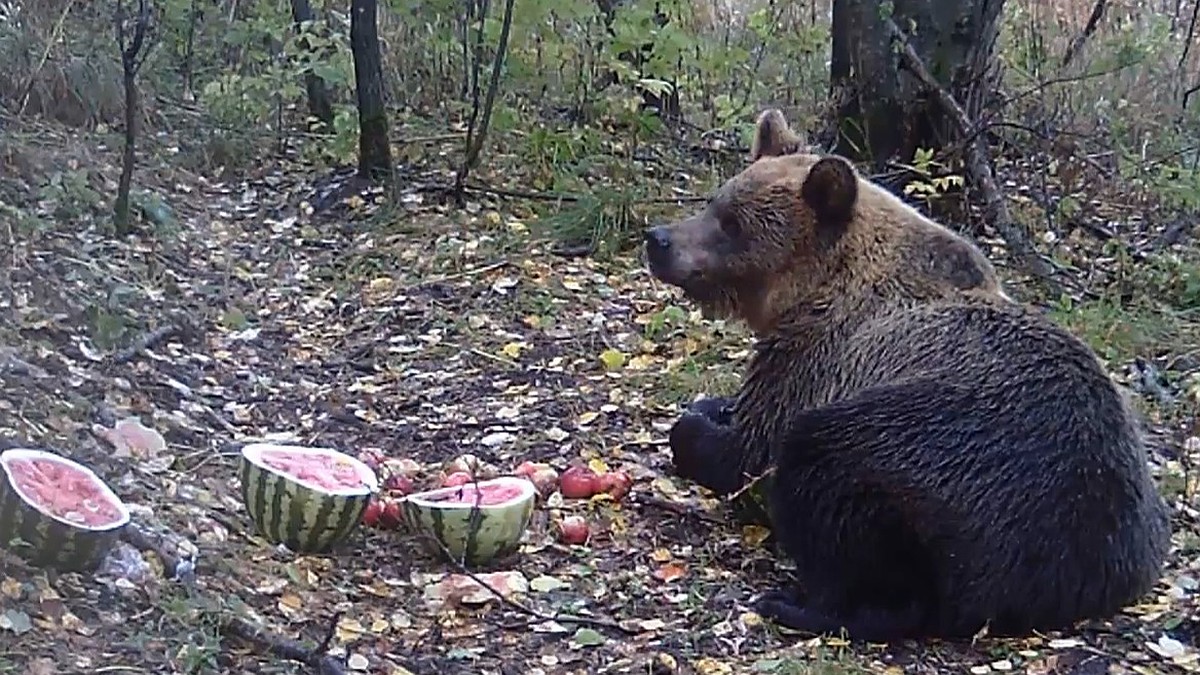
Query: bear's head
[[769, 238]]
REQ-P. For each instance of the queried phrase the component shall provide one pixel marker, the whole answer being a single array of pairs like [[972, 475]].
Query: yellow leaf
[[754, 535], [290, 601], [517, 227], [492, 217], [641, 362], [596, 464], [661, 555], [571, 285], [380, 626], [513, 349], [349, 630], [612, 359], [711, 666], [751, 619], [587, 418]]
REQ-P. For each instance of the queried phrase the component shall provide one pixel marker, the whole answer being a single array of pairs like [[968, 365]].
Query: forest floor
[[426, 331]]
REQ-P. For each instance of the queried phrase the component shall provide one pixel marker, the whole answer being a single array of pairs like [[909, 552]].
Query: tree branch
[[995, 209], [1093, 23]]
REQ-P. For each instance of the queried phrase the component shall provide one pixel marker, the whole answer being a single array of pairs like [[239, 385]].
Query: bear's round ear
[[773, 137], [831, 190]]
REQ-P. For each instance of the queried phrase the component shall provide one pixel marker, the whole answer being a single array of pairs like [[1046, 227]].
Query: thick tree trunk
[[884, 112], [374, 149], [320, 105]]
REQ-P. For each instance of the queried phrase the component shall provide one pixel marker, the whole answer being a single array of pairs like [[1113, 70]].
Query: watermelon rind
[[304, 517], [45, 540], [496, 532]]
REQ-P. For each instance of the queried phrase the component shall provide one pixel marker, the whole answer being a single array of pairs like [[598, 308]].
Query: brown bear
[[944, 459]]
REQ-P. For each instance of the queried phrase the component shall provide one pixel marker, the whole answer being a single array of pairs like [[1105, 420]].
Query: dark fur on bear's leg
[[882, 493], [786, 608]]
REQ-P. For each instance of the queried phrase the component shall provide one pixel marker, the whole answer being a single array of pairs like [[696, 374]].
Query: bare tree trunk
[[884, 113], [320, 105], [374, 148], [189, 52], [132, 58]]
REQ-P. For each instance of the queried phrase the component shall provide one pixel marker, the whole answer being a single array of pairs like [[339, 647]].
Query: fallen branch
[[525, 609], [286, 648], [145, 342], [995, 209], [675, 508], [750, 484], [178, 554]]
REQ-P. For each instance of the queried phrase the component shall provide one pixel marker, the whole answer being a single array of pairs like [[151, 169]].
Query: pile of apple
[[399, 478]]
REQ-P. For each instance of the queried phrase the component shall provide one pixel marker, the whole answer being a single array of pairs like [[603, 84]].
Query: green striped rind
[[473, 535], [44, 540], [306, 519]]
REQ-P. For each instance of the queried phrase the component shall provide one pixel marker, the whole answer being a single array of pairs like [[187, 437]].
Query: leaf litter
[[271, 320]]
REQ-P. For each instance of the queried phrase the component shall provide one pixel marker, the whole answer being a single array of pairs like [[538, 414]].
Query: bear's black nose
[[658, 238]]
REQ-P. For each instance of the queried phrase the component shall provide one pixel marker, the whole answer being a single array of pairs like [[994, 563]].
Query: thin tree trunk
[[374, 148]]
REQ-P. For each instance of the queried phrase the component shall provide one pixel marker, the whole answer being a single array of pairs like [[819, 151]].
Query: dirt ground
[[426, 331]]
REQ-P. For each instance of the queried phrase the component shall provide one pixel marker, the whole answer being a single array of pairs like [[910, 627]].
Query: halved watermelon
[[56, 512], [504, 506], [308, 499]]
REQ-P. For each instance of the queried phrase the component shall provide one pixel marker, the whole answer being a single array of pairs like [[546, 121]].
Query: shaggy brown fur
[[946, 459]]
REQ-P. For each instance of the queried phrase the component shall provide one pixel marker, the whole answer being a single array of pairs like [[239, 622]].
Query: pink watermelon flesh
[[491, 494], [64, 491], [330, 472]]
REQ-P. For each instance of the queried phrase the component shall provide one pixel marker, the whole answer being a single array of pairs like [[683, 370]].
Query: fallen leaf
[[670, 572], [754, 535], [612, 359], [711, 666], [587, 637], [545, 584], [15, 621], [460, 588]]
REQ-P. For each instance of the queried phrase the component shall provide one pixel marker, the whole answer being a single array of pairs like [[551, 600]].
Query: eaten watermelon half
[[56, 512], [476, 522], [308, 499]]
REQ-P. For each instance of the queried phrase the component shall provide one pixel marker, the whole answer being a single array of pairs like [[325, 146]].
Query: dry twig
[[995, 209]]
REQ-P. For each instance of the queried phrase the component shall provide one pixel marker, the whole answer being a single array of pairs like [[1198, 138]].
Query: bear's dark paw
[[870, 624], [718, 409], [690, 438], [783, 607]]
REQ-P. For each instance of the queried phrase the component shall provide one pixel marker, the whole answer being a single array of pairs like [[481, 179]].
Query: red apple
[[398, 482], [578, 482], [392, 515], [370, 516], [545, 479], [573, 530], [616, 483]]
